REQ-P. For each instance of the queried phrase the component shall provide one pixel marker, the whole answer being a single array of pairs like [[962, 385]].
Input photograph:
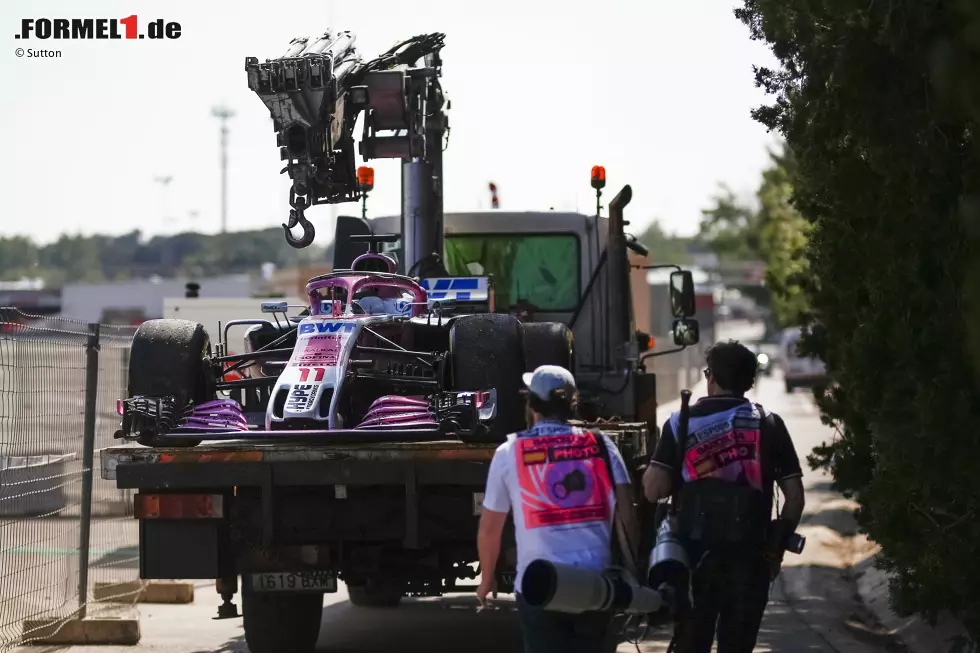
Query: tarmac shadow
[[432, 625], [435, 625]]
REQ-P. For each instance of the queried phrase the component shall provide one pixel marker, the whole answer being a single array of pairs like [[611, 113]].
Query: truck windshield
[[542, 269]]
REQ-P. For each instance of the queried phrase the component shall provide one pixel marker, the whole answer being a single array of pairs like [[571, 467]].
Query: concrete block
[[93, 632], [34, 485], [154, 591]]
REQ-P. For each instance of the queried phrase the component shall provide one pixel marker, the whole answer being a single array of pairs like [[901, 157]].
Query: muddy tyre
[[167, 358], [487, 351], [281, 622], [548, 343]]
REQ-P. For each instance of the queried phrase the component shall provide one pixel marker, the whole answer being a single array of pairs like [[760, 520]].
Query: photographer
[[564, 499], [735, 452]]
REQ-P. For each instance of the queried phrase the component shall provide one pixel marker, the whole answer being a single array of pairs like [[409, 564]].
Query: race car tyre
[[375, 596], [548, 343], [281, 622], [790, 387], [167, 359], [487, 351]]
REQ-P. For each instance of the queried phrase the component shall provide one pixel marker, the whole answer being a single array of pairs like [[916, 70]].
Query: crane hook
[[309, 233]]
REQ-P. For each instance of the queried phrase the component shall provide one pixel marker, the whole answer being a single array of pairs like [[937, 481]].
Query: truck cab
[[546, 266]]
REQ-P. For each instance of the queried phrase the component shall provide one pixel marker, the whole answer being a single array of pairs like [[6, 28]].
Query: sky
[[657, 92]]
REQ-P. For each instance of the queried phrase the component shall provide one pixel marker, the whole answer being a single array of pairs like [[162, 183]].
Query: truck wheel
[[487, 351], [374, 596], [548, 343], [167, 358], [281, 622]]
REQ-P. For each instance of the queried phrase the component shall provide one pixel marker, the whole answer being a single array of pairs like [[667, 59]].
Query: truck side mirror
[[681, 294], [686, 332]]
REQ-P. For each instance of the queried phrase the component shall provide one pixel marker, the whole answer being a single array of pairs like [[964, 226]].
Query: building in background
[[132, 302], [30, 296]]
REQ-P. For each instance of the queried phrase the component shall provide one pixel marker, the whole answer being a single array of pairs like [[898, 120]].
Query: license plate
[[302, 581]]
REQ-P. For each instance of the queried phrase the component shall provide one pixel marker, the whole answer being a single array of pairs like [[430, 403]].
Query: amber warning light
[[365, 178], [598, 177]]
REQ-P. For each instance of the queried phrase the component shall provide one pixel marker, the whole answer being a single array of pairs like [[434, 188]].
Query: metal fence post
[[88, 461]]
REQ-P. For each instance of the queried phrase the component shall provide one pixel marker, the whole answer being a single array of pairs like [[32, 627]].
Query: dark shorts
[[731, 590], [556, 632]]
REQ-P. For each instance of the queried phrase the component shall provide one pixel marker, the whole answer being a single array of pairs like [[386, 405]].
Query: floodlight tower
[[223, 114]]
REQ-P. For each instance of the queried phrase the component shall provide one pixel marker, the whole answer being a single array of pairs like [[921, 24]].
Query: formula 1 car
[[378, 357]]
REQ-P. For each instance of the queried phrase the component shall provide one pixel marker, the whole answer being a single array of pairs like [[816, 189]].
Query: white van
[[798, 371]]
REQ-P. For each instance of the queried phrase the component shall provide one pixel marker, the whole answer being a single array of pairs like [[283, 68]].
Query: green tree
[[731, 228], [664, 247], [130, 256], [878, 101], [18, 257], [782, 241], [72, 258]]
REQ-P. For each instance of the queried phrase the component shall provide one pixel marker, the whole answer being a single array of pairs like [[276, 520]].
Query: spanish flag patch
[[535, 457]]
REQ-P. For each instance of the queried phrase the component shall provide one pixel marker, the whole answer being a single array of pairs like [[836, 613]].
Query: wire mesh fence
[[59, 380]]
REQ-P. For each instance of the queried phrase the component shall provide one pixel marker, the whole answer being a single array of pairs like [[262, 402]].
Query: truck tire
[[167, 358], [548, 343], [487, 351], [375, 596], [281, 622]]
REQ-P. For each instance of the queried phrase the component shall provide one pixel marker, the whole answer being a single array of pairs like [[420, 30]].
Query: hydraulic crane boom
[[315, 92]]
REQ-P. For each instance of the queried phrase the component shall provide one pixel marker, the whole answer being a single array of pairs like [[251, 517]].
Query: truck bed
[[237, 452], [133, 466]]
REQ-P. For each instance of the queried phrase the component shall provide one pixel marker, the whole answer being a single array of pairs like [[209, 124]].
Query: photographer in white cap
[[564, 498]]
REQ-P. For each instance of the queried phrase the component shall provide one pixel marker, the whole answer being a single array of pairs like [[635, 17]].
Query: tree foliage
[[782, 241], [771, 230], [879, 103], [116, 258], [664, 247], [730, 228]]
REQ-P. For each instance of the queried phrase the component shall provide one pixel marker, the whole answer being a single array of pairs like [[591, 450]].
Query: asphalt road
[[813, 606]]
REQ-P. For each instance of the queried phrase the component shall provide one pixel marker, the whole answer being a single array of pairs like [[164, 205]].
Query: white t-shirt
[[561, 513]]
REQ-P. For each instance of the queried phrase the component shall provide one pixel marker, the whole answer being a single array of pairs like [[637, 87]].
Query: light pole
[[164, 182], [223, 114]]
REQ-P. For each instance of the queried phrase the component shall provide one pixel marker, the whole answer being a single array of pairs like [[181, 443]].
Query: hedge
[[878, 101]]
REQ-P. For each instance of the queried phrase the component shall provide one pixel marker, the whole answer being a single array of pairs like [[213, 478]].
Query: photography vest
[[722, 500], [566, 494]]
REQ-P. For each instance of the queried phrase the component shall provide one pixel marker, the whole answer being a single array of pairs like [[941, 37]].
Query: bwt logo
[[326, 327], [95, 28]]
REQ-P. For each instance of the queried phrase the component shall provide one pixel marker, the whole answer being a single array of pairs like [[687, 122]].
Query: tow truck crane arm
[[315, 92]]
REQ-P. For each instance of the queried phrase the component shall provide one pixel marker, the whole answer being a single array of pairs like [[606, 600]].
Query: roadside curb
[[914, 632], [840, 560], [144, 592], [96, 631]]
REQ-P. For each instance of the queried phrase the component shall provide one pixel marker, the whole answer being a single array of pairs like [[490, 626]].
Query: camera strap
[[621, 547]]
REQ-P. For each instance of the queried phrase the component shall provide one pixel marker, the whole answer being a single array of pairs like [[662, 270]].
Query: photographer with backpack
[[722, 478]]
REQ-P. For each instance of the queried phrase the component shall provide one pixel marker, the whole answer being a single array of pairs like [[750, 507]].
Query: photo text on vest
[[724, 445], [563, 480]]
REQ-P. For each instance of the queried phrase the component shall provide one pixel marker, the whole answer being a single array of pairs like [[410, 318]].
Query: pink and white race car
[[378, 357]]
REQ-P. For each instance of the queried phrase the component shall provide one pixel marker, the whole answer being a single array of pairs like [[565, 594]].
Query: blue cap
[[548, 378]]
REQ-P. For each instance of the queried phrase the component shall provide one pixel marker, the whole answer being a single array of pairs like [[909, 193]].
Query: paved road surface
[[813, 621]]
